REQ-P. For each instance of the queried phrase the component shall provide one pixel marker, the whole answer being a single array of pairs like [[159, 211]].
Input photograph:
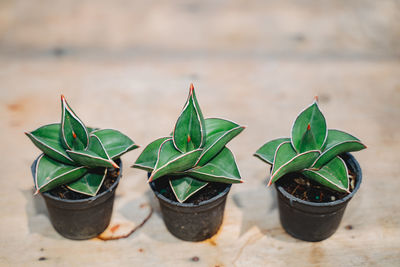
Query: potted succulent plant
[[191, 172], [314, 175], [78, 173]]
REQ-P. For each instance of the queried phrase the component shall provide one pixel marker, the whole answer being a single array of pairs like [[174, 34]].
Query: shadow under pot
[[311, 221], [81, 219], [192, 221]]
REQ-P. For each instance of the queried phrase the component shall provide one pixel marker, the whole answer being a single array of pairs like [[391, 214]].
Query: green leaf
[[171, 160], [222, 168], [115, 142], [287, 160], [185, 187], [215, 126], [337, 143], [90, 183], [50, 173], [267, 151], [334, 175], [148, 158], [94, 156], [92, 129], [189, 131], [309, 130], [74, 134], [47, 139], [218, 133]]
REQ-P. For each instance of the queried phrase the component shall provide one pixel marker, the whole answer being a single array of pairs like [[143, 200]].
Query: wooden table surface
[[128, 65]]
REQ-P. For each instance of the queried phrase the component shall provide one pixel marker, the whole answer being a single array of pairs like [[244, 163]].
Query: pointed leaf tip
[[316, 99], [115, 165], [309, 130], [191, 88], [184, 187], [148, 158], [222, 168], [337, 143], [47, 139], [190, 123], [74, 134]]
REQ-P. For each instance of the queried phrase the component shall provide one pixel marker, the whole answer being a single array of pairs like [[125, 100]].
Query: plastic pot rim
[[190, 205], [86, 200], [358, 174]]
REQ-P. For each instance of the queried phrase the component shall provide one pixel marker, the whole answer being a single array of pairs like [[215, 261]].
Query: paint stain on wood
[[14, 107], [317, 254], [21, 109], [115, 228], [212, 242]]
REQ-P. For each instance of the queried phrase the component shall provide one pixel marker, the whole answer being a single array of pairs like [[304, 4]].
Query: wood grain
[[128, 65]]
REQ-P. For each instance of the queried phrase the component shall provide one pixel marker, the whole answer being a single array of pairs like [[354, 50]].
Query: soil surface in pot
[[64, 193], [206, 193], [303, 188]]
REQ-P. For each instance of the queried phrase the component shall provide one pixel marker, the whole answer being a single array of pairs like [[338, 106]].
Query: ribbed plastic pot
[[310, 221], [191, 222], [85, 218]]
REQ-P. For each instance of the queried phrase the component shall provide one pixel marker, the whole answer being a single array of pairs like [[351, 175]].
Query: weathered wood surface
[[128, 65]]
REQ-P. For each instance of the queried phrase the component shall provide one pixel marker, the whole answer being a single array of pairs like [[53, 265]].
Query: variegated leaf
[[47, 139], [171, 160], [309, 130], [94, 156], [115, 143], [185, 187], [50, 173], [74, 134], [90, 183], [222, 168], [286, 160], [333, 174], [148, 158], [267, 151], [337, 143], [218, 133], [189, 131]]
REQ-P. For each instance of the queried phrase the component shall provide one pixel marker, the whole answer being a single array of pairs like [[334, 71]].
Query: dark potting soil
[[64, 193], [303, 188], [209, 191]]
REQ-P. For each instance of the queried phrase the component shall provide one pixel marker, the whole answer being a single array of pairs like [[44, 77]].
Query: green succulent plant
[[312, 150], [75, 155], [194, 154]]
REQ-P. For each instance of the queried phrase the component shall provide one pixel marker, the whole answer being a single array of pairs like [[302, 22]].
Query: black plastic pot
[[191, 222], [310, 221], [85, 218]]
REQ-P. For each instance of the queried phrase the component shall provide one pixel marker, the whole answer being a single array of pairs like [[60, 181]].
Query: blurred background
[[128, 65]]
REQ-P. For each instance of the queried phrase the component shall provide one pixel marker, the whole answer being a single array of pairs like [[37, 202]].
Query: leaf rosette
[[313, 150], [75, 155], [195, 154]]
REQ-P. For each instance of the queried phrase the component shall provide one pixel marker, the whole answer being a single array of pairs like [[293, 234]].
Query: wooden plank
[[123, 63]]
